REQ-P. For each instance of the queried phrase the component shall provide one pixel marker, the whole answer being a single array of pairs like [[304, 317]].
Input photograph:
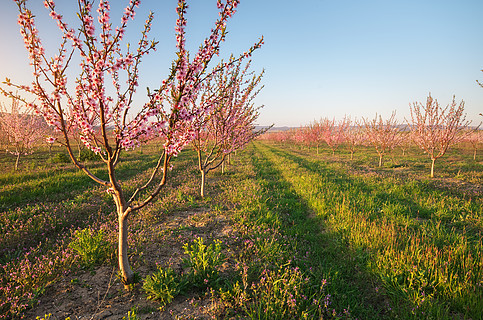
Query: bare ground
[[98, 293]]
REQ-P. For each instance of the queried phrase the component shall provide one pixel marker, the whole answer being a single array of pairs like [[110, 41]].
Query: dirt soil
[[98, 294]]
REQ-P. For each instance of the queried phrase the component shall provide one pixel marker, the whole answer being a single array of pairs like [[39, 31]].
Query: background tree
[[231, 123], [334, 132], [314, 133], [21, 128], [474, 138], [435, 129], [382, 134], [106, 123], [353, 136]]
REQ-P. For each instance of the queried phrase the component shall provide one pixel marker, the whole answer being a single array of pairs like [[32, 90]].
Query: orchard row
[[432, 128]]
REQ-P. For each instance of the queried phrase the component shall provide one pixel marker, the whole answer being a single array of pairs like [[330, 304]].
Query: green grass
[[421, 243], [311, 236]]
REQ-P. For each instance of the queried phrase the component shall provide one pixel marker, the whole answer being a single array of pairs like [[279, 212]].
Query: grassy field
[[284, 233]]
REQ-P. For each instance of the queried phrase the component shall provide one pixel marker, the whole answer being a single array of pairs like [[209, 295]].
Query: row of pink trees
[[432, 128], [106, 123]]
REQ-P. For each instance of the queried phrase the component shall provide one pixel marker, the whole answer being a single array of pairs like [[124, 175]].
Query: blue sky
[[321, 58]]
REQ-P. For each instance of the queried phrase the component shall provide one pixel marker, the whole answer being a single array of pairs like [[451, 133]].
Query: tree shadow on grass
[[416, 217], [319, 252]]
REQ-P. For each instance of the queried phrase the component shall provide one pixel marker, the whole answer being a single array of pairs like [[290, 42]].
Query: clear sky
[[321, 58]]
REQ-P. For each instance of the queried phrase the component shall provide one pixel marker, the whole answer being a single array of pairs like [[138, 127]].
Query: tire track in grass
[[421, 261], [326, 256]]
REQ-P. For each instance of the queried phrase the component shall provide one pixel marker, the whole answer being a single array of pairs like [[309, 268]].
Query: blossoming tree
[[435, 129], [22, 129], [106, 122], [231, 123], [382, 134], [334, 132], [353, 135], [474, 138]]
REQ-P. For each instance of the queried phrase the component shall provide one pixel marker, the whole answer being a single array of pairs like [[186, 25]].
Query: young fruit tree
[[474, 138], [334, 132], [314, 133], [21, 128], [435, 129], [99, 105], [353, 136], [231, 123], [382, 134]]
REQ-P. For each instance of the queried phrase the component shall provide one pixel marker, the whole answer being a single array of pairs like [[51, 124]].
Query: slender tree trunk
[[127, 275], [223, 167], [352, 155], [202, 190], [126, 272], [474, 155], [432, 167], [380, 160], [17, 161]]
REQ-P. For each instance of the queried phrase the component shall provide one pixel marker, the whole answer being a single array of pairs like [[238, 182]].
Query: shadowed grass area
[[423, 243], [316, 250]]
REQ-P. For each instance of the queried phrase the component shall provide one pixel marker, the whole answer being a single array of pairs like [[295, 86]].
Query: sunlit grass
[[305, 236], [422, 242]]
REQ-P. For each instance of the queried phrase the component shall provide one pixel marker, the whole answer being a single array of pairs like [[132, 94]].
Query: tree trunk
[[127, 275], [474, 155], [203, 175], [380, 160], [126, 272], [432, 167], [223, 167], [17, 161], [352, 155]]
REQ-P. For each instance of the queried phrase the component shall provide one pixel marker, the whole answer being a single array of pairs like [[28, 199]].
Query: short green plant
[[132, 314], [90, 245], [59, 158], [87, 154], [287, 294], [203, 261], [163, 285]]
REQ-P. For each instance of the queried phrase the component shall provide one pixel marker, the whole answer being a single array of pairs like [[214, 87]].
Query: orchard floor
[[257, 183], [98, 293]]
